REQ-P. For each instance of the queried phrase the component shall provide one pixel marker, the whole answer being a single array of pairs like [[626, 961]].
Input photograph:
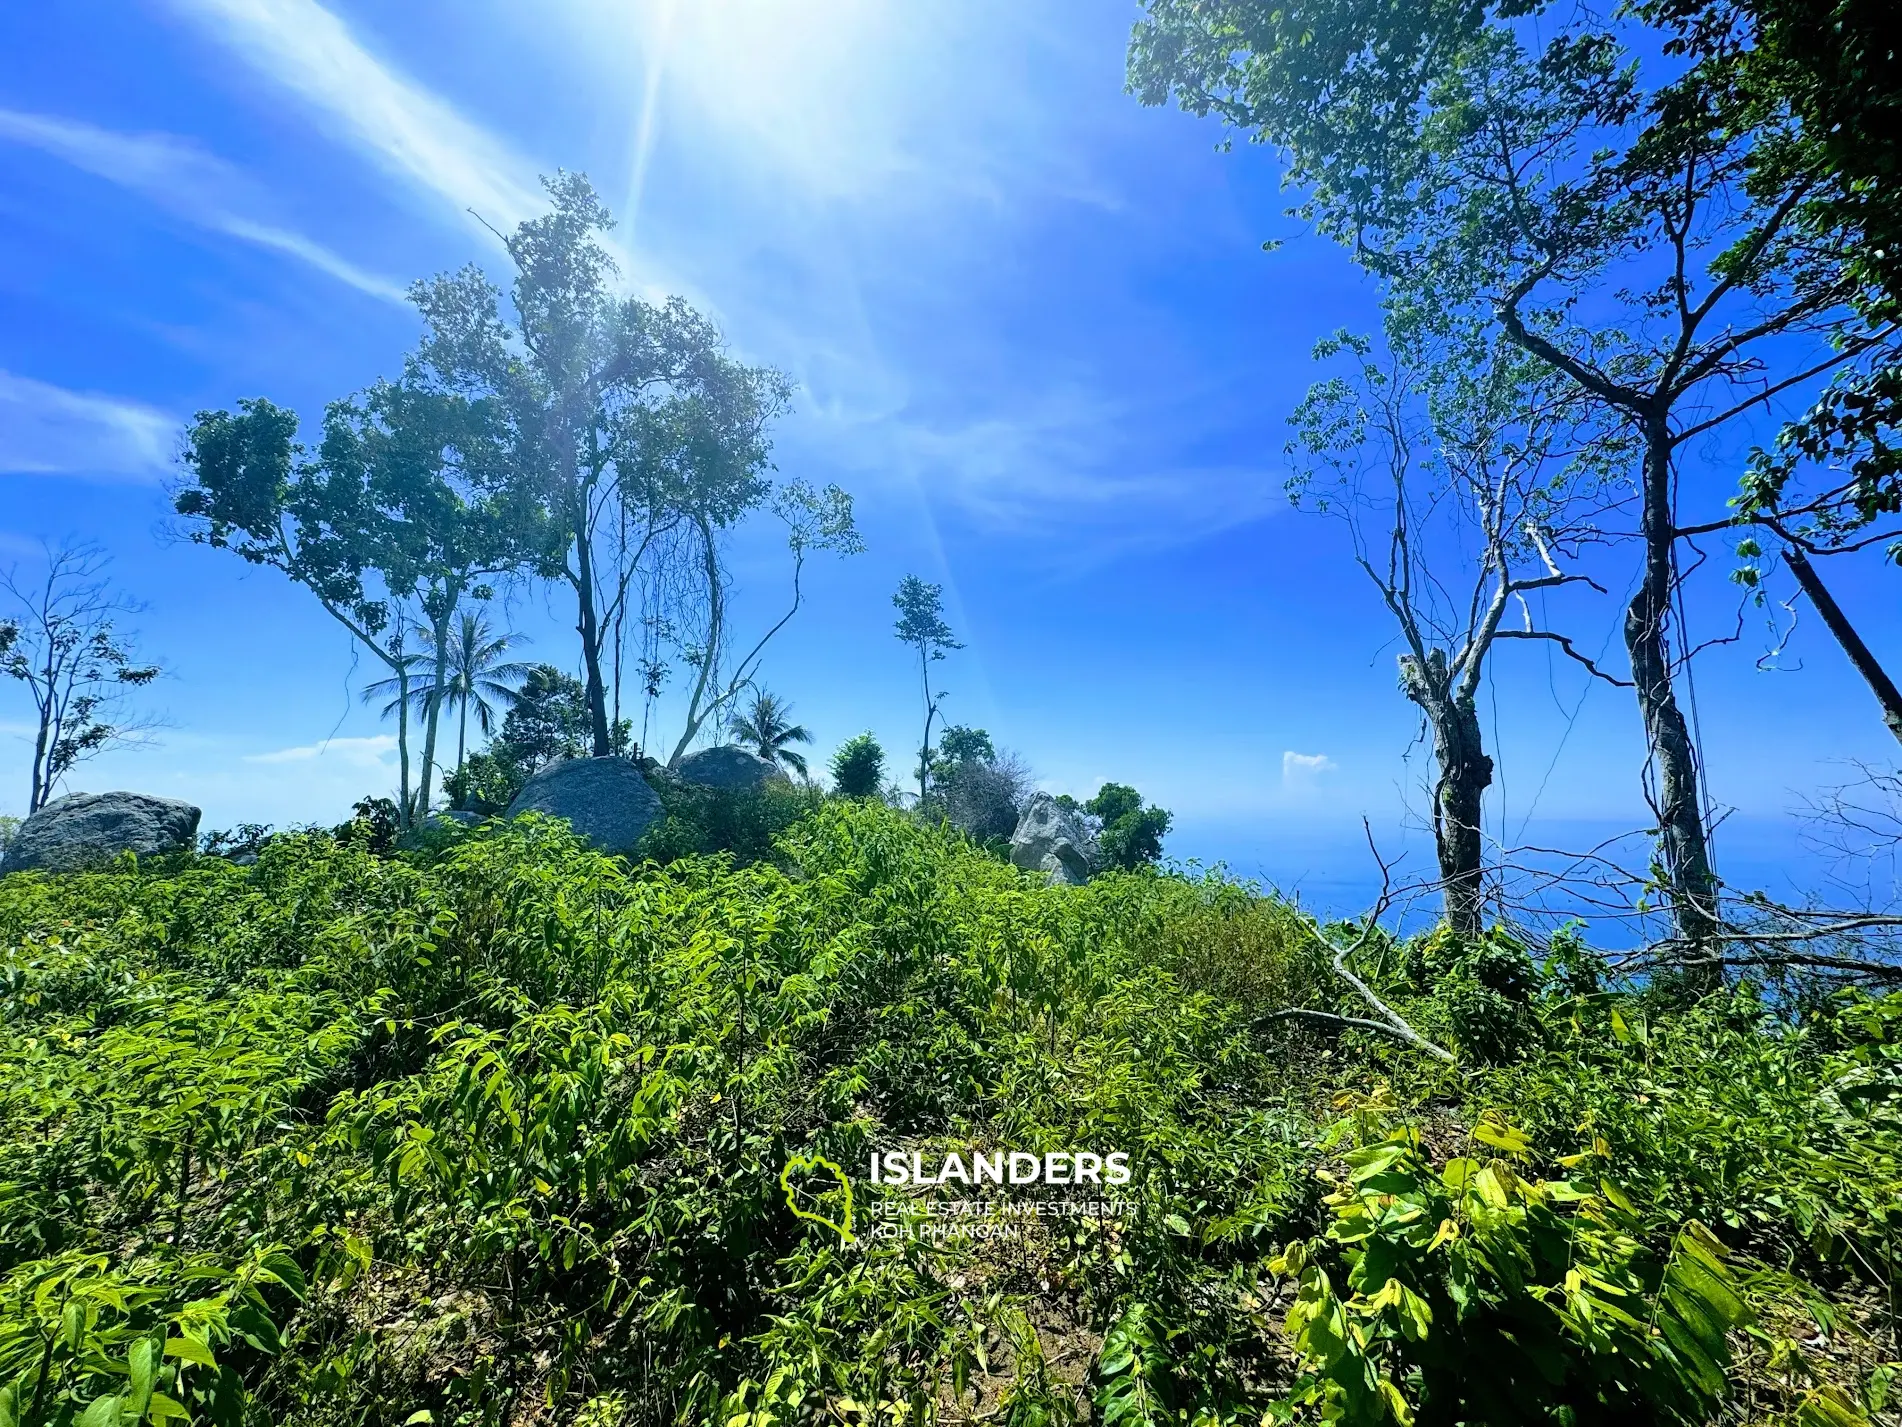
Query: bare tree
[[1464, 474], [814, 520], [63, 643]]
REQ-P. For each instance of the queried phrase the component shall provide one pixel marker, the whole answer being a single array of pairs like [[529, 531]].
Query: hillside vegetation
[[495, 1134]]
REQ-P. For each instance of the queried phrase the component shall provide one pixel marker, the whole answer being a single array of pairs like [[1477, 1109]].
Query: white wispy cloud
[[186, 182], [1070, 469], [48, 430], [1304, 767], [363, 752], [408, 130], [832, 118]]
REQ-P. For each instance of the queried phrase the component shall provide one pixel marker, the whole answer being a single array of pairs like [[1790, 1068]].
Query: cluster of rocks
[[611, 803], [608, 801], [1053, 839]]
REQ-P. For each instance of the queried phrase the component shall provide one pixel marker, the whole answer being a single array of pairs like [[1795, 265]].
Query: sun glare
[[815, 88]]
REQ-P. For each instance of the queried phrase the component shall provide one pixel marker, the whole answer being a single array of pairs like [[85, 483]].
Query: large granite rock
[[84, 829], [733, 769], [606, 800], [1053, 840]]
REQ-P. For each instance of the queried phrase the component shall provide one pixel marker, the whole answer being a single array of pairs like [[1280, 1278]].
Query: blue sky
[[1034, 332]]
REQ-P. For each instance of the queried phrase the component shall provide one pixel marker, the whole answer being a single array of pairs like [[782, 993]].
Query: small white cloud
[[46, 429], [367, 752], [1304, 767]]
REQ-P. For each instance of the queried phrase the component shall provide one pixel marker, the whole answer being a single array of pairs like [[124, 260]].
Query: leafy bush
[[747, 822], [1483, 987], [858, 768], [1479, 1296], [517, 1113]]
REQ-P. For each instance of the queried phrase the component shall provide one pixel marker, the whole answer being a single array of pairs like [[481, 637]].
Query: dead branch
[[1390, 1022]]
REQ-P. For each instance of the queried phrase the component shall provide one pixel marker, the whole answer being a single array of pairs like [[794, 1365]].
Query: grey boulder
[[85, 829], [605, 800], [1053, 840], [727, 767]]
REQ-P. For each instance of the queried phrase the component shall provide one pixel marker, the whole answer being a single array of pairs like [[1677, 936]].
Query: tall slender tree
[[921, 625], [401, 514], [1464, 472]]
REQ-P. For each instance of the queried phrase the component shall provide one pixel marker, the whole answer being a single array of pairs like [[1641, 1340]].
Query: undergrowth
[[493, 1132]]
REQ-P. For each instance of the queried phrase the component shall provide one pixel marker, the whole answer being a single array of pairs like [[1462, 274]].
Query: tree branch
[[1566, 644]]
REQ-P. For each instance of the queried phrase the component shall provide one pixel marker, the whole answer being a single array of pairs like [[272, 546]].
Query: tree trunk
[[462, 732], [716, 631], [1683, 840], [434, 715], [405, 809], [36, 799], [931, 712], [1465, 772], [589, 628], [1866, 663]]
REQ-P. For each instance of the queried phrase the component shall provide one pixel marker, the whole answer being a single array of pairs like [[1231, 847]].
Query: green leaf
[[191, 1351], [142, 1364], [1828, 1407], [104, 1412], [283, 1268]]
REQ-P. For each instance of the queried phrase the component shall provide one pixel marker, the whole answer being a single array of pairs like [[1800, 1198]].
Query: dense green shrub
[[1483, 986], [858, 768], [1481, 1297], [516, 1113], [700, 821]]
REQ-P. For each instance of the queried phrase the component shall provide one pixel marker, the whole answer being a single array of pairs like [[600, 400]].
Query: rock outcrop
[[727, 767], [1052, 839], [605, 800], [85, 829]]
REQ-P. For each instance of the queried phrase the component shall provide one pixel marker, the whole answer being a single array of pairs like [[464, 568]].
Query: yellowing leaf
[[1502, 1137]]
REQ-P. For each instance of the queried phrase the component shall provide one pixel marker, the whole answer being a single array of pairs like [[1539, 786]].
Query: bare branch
[[1565, 644]]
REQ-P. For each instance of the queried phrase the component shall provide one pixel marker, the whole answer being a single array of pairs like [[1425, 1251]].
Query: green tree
[[477, 678], [765, 728], [1132, 834], [480, 677], [629, 425], [1653, 228], [921, 625], [858, 767], [400, 515], [63, 644], [978, 790], [547, 720], [958, 744]]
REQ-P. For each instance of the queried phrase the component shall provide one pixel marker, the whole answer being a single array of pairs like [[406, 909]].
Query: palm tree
[[479, 677], [475, 678], [765, 729]]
